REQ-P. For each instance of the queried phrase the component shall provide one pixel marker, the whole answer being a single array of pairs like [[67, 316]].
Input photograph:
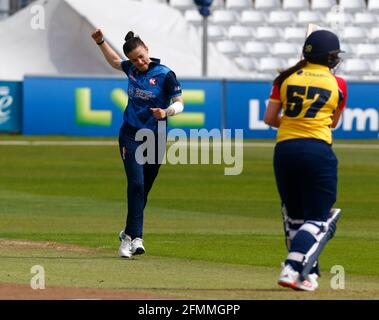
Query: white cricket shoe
[[288, 277], [125, 250], [309, 284], [137, 246]]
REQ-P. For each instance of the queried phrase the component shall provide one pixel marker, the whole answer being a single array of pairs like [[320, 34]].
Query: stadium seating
[[267, 5], [240, 33], [268, 34], [370, 77], [375, 67], [285, 50], [182, 4], [292, 61], [224, 17], [365, 19], [256, 49], [155, 1], [276, 29], [323, 5], [271, 65], [295, 5], [230, 48], [349, 50], [246, 63], [306, 17], [218, 4], [252, 32], [294, 34], [339, 19], [353, 34], [238, 4], [216, 33], [352, 5], [253, 18], [374, 34], [373, 5], [367, 50], [356, 67], [281, 18]]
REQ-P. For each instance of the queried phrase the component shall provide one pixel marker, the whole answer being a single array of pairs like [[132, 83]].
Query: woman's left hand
[[158, 113]]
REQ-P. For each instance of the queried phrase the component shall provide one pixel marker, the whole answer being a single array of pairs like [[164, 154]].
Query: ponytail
[[132, 42], [286, 73]]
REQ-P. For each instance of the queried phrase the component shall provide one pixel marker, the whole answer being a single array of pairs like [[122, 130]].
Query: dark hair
[[132, 42], [330, 60], [286, 73]]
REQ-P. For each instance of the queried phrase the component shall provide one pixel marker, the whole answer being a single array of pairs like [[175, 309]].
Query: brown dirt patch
[[22, 292], [25, 292], [10, 243]]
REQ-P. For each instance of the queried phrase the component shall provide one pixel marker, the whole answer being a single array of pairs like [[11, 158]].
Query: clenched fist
[[158, 113], [98, 36]]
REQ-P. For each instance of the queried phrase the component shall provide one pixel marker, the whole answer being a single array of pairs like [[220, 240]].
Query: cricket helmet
[[322, 47]]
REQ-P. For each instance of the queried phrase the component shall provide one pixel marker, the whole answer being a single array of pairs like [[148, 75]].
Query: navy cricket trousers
[[306, 177], [140, 179]]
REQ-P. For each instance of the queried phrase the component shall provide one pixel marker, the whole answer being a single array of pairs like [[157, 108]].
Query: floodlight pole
[[204, 10], [205, 47]]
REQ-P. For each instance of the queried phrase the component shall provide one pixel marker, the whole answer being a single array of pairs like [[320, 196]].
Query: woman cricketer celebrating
[[306, 102], [154, 94]]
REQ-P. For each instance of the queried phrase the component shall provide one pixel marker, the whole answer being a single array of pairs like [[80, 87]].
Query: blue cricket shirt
[[151, 89]]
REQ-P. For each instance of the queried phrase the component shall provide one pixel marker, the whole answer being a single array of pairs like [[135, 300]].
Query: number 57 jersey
[[309, 98]]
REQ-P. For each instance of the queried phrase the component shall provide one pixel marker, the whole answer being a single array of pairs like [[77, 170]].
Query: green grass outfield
[[207, 236]]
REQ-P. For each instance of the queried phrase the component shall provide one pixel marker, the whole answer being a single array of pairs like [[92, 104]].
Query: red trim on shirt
[[343, 91], [275, 92]]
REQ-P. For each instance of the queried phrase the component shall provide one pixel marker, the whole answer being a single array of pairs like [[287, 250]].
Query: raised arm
[[110, 55]]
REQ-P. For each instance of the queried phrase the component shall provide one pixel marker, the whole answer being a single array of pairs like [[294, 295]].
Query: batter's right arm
[[110, 55], [272, 115]]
